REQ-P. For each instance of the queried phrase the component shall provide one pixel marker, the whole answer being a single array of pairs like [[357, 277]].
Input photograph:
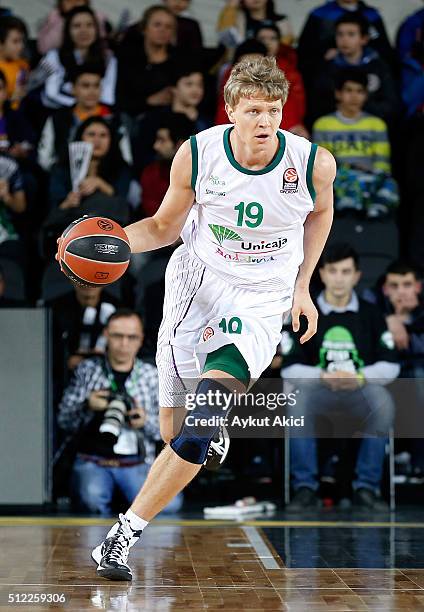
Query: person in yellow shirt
[[360, 144], [14, 67]]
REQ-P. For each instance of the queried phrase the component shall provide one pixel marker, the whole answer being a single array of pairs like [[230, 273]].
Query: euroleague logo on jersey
[[290, 181], [208, 333]]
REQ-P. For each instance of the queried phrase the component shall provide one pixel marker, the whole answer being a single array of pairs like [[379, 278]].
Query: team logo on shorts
[[290, 181], [105, 225], [208, 333]]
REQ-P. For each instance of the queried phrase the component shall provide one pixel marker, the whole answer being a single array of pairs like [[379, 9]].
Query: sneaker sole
[[109, 573]]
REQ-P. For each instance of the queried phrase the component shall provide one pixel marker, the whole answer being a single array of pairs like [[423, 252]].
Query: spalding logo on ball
[[94, 251]]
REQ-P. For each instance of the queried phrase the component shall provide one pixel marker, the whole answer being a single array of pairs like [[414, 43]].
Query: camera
[[116, 414]]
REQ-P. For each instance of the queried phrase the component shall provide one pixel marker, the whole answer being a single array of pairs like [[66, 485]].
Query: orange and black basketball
[[94, 251]]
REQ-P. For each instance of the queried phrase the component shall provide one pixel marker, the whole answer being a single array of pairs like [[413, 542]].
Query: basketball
[[94, 251]]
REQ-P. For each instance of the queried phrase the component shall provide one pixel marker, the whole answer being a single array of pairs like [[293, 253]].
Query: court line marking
[[189, 586], [264, 553], [81, 522]]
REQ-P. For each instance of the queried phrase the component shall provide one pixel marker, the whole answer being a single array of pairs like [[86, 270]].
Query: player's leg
[[172, 470]]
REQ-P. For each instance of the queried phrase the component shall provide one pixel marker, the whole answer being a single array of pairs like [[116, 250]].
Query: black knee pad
[[202, 422]]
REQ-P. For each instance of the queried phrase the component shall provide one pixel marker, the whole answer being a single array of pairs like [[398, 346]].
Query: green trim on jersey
[[277, 158], [228, 359], [309, 172], [194, 161]]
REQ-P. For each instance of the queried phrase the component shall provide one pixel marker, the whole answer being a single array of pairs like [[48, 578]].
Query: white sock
[[136, 523]]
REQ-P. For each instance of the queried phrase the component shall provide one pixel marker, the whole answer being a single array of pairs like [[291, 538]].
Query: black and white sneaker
[[112, 554], [218, 450]]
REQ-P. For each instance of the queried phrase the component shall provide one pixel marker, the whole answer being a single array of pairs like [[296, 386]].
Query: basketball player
[[254, 206]]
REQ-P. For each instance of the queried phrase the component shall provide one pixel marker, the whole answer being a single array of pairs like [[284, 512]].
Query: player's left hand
[[303, 305]]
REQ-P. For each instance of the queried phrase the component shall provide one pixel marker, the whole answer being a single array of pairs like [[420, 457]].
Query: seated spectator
[[352, 38], [81, 44], [341, 371], [61, 126], [187, 97], [113, 453], [50, 34], [317, 40], [7, 302], [360, 145], [412, 73], [404, 311], [78, 321], [241, 19], [410, 35], [175, 129], [147, 62], [12, 204], [188, 36], [108, 174], [13, 34], [294, 108]]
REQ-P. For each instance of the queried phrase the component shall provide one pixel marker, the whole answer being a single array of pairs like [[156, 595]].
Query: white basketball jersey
[[247, 225]]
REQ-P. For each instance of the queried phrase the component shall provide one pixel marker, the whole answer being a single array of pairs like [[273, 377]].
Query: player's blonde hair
[[251, 77]]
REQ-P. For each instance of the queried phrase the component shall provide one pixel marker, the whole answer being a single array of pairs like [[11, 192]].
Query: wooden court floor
[[199, 565]]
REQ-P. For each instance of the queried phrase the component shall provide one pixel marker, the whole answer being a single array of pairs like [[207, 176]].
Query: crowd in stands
[[136, 92]]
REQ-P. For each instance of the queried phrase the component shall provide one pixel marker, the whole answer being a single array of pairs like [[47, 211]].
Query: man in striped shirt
[[360, 144]]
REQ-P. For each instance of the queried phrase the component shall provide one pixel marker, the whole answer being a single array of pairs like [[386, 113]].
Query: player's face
[[189, 89], [340, 278], [124, 338], [160, 28], [351, 97], [402, 290], [13, 46], [99, 136], [87, 90], [164, 145], [349, 40], [256, 120], [270, 39], [83, 30]]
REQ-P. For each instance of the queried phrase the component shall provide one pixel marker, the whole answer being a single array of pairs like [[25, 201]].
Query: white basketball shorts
[[202, 313]]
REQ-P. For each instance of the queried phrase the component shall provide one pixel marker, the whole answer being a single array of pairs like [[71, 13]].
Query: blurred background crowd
[[136, 90]]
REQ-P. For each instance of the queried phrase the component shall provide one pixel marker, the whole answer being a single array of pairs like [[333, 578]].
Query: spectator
[[108, 175], [12, 204], [188, 35], [50, 33], [410, 35], [147, 62], [6, 302], [174, 129], [78, 321], [61, 126], [342, 368], [404, 312], [81, 44], [353, 52], [114, 451], [15, 68], [241, 19], [187, 95], [360, 145], [294, 108], [317, 40]]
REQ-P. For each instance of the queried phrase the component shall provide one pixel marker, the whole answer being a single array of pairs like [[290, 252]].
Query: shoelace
[[118, 546], [217, 447]]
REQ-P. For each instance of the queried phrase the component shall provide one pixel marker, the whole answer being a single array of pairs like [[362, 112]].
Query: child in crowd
[[360, 144], [61, 126], [174, 129], [352, 40], [187, 95], [12, 64], [17, 138]]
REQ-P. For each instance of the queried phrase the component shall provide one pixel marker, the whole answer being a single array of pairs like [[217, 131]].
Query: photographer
[[111, 404]]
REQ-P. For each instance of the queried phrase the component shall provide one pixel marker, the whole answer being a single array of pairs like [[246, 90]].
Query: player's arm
[[316, 229], [166, 224]]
